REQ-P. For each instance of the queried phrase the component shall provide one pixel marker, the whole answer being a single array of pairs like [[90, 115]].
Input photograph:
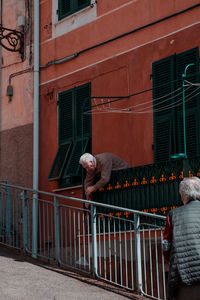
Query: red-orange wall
[[16, 113], [119, 68]]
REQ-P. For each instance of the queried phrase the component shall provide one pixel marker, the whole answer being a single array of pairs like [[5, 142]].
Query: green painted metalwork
[[184, 124], [174, 122], [149, 188], [74, 132]]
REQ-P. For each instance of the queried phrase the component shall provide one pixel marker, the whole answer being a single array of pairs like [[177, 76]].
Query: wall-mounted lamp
[[9, 92]]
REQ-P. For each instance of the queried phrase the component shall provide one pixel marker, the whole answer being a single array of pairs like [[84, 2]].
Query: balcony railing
[[150, 188]]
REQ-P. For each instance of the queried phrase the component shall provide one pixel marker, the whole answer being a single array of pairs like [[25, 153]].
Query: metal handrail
[[87, 201], [113, 248]]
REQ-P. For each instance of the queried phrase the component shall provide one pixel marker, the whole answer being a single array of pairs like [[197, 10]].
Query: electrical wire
[[161, 102], [101, 111], [140, 104], [170, 105], [195, 84], [145, 110], [177, 104]]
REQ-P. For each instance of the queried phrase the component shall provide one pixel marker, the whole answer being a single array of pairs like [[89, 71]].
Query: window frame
[[70, 104], [172, 67], [74, 7]]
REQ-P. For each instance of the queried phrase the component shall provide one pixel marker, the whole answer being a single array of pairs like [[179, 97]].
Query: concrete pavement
[[21, 279]]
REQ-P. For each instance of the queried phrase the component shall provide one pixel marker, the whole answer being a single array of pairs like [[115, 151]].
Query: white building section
[[74, 21]]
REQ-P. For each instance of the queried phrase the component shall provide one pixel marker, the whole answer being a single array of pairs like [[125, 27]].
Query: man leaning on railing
[[181, 243], [101, 164]]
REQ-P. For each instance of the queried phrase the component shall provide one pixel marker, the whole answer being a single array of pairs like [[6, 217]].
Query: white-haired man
[[181, 243], [100, 164]]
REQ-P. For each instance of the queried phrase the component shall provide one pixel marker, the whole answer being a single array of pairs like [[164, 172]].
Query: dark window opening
[[68, 7], [74, 131]]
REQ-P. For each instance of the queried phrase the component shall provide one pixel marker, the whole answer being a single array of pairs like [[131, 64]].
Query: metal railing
[[151, 188], [123, 248]]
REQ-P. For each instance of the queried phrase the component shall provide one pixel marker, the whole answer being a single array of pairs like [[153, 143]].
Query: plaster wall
[[127, 135], [16, 149], [110, 24], [16, 155]]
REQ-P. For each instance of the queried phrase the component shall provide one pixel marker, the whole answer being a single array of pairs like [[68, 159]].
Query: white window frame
[[74, 21]]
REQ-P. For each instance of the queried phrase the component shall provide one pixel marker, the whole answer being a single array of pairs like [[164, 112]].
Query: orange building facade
[[16, 93], [98, 64], [104, 51]]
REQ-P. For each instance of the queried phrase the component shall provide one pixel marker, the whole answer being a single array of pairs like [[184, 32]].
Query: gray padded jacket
[[185, 249]]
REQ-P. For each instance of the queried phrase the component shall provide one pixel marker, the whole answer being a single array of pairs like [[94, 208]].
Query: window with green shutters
[[68, 7], [168, 106], [74, 134]]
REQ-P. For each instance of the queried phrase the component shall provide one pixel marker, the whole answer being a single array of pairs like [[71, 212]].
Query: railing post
[[34, 224], [57, 232], [94, 239], [7, 212], [25, 221], [138, 254]]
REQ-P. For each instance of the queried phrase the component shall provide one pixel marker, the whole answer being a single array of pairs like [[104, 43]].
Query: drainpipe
[[0, 105], [1, 22], [35, 128]]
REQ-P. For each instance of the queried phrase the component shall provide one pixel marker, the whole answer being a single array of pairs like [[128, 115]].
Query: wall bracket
[[12, 40]]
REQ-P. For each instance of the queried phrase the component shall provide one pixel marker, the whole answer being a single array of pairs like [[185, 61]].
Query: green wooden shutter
[[66, 131], [82, 3], [65, 134], [163, 84], [192, 136], [73, 166], [67, 7], [59, 161], [83, 104], [191, 103], [82, 129], [163, 138], [64, 8]]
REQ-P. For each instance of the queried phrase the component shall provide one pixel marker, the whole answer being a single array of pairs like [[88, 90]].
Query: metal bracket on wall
[[12, 40]]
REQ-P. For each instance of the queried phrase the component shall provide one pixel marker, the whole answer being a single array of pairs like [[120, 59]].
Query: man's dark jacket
[[105, 164], [185, 248]]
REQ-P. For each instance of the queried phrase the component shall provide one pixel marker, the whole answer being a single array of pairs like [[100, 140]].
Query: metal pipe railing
[[123, 248], [111, 207]]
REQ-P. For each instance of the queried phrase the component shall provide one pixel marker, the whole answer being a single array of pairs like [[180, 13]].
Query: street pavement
[[23, 279]]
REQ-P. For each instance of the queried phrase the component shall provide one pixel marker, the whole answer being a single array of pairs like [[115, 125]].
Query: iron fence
[[150, 188]]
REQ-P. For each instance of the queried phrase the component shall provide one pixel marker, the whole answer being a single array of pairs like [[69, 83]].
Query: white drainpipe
[[35, 126]]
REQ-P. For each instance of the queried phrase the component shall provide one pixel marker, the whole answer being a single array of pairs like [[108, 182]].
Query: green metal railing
[[149, 188]]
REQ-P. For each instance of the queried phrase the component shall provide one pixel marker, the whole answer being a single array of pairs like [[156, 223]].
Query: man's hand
[[90, 189]]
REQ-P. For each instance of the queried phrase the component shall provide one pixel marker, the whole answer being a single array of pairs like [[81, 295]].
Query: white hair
[[190, 188], [86, 158]]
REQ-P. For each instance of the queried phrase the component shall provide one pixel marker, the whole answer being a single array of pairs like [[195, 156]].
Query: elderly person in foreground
[[181, 243], [100, 164]]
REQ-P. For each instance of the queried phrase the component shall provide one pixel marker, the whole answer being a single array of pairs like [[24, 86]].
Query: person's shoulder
[[103, 155], [176, 210]]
